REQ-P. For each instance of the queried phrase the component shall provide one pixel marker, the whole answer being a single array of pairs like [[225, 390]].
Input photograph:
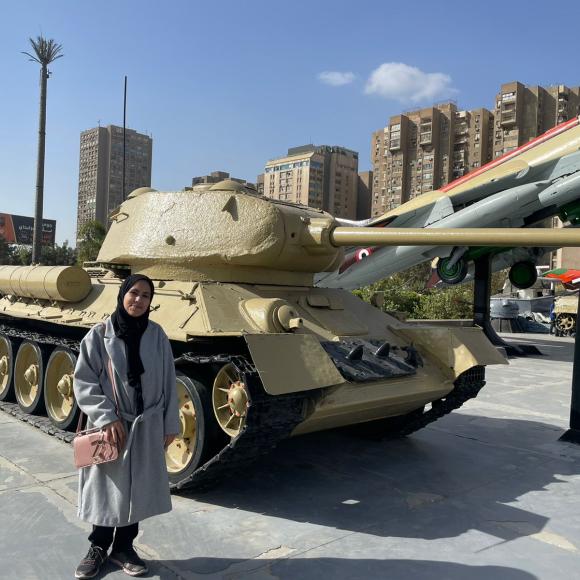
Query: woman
[[116, 496]]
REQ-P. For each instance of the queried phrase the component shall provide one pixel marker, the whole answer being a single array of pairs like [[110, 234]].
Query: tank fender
[[462, 347], [291, 363]]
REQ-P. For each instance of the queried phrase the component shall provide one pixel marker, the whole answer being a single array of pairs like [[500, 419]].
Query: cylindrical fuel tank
[[63, 283]]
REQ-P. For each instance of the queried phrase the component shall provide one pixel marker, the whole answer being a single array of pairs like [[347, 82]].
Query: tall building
[[422, 150], [260, 184], [473, 141], [364, 195], [101, 170], [215, 177], [321, 176], [522, 112]]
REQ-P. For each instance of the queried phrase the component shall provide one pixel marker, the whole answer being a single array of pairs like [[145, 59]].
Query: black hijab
[[130, 329]]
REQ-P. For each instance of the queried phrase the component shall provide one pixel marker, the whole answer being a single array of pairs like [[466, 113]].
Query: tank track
[[42, 423], [270, 419], [467, 386]]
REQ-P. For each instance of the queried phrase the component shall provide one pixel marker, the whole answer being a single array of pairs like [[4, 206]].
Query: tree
[[5, 252], [446, 303], [91, 235], [406, 292], [45, 52], [51, 255], [402, 291], [59, 255]]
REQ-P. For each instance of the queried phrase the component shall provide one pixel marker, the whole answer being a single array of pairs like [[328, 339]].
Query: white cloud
[[396, 80], [335, 78]]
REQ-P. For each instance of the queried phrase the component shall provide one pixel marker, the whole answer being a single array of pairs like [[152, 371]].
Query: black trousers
[[102, 536]]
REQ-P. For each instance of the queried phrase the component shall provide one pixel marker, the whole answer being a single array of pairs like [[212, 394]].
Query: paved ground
[[486, 493]]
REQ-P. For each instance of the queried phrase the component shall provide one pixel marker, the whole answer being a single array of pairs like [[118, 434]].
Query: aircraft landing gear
[[523, 275], [452, 273]]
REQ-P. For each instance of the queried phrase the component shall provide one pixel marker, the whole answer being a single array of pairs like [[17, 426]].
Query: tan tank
[[565, 311], [261, 353]]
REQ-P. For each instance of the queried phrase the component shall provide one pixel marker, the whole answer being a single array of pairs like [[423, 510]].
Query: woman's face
[[137, 299]]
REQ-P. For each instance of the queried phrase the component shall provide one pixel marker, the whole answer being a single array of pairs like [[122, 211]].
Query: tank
[[565, 311], [261, 353]]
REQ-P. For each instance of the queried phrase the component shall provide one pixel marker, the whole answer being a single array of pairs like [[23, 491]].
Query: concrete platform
[[488, 492]]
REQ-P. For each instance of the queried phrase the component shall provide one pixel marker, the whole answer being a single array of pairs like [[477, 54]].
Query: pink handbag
[[90, 446]]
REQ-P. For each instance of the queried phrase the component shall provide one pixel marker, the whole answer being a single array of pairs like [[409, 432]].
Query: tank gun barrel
[[496, 237]]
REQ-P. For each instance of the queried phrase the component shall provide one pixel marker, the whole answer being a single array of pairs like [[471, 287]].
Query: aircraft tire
[[523, 275], [452, 274]]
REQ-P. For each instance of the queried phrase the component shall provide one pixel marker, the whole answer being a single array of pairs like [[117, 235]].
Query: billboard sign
[[18, 229]]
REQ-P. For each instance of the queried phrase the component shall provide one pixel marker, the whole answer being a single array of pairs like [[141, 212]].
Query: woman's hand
[[115, 433], [169, 439]]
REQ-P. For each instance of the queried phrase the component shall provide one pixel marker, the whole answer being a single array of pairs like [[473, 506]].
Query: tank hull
[[305, 359]]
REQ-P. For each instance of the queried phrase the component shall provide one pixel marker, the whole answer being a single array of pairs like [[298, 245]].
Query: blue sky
[[227, 85]]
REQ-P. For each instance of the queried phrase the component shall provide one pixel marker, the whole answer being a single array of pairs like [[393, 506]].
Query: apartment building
[[321, 176], [422, 150], [522, 113], [100, 188], [473, 141], [260, 184], [364, 195], [216, 177]]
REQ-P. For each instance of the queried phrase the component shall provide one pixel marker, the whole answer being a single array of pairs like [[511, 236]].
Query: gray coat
[[135, 486]]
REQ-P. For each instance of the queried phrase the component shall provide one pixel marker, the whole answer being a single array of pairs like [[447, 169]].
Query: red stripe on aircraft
[[510, 154]]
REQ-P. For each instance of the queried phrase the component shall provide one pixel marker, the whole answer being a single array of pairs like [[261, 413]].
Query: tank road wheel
[[230, 400], [28, 377], [565, 323], [197, 435], [7, 348], [452, 274], [59, 398], [523, 275]]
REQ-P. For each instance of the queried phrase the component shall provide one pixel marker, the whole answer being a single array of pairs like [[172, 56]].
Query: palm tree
[[44, 52]]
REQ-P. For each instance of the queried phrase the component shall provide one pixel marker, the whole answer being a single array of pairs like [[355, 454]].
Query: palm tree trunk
[[37, 238]]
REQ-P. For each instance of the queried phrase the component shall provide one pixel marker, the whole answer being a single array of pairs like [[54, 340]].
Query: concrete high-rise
[[101, 170], [422, 150], [473, 141], [364, 195], [522, 113], [215, 177], [321, 176]]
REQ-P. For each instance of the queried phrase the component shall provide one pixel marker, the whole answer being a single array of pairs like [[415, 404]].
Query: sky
[[226, 85]]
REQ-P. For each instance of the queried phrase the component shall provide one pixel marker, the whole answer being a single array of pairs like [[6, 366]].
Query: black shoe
[[91, 563], [130, 562]]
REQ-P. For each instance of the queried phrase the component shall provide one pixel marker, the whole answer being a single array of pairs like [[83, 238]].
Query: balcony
[[508, 98], [395, 144], [508, 119], [426, 138]]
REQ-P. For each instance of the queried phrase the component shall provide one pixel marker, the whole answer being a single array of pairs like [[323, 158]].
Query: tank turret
[[228, 234]]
